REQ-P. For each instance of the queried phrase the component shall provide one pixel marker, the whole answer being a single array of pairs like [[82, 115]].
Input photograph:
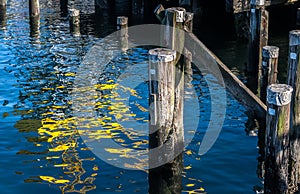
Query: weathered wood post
[[122, 26], [277, 139], [74, 15], [188, 56], [188, 71], [3, 3], [258, 35], [163, 135], [34, 8], [269, 69], [2, 13], [64, 7], [294, 81]]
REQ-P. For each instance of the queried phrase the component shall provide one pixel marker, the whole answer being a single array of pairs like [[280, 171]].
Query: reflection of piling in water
[[74, 21], [64, 7], [122, 26], [294, 81], [277, 139], [165, 136], [2, 13]]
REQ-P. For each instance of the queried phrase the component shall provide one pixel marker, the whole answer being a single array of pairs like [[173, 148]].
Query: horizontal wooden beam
[[235, 86]]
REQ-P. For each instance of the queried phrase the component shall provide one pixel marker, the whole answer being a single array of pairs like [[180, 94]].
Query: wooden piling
[[269, 69], [173, 38], [34, 8], [164, 134], [258, 35], [188, 71], [277, 139], [2, 3], [188, 22], [74, 16], [294, 81], [122, 26]]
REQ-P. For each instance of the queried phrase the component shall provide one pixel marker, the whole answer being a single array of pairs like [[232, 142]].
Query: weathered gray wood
[[294, 81], [188, 71], [74, 15], [269, 69], [236, 87], [258, 36], [188, 22], [269, 76], [277, 139], [263, 34], [34, 8], [173, 38], [163, 136], [122, 26]]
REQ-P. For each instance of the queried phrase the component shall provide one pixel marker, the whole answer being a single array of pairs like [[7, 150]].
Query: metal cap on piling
[[162, 55], [294, 38], [279, 94]]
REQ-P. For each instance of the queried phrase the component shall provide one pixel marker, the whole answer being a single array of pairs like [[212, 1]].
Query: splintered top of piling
[[74, 12], [162, 55], [294, 37], [270, 52], [122, 20], [179, 11], [279, 94]]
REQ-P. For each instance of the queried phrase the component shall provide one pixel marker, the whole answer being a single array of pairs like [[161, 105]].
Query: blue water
[[36, 85]]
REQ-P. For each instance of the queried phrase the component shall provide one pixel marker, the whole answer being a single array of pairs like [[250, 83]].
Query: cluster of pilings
[[280, 137], [281, 131]]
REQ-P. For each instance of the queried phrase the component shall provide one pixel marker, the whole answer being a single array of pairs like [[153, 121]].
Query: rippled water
[[41, 145]]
